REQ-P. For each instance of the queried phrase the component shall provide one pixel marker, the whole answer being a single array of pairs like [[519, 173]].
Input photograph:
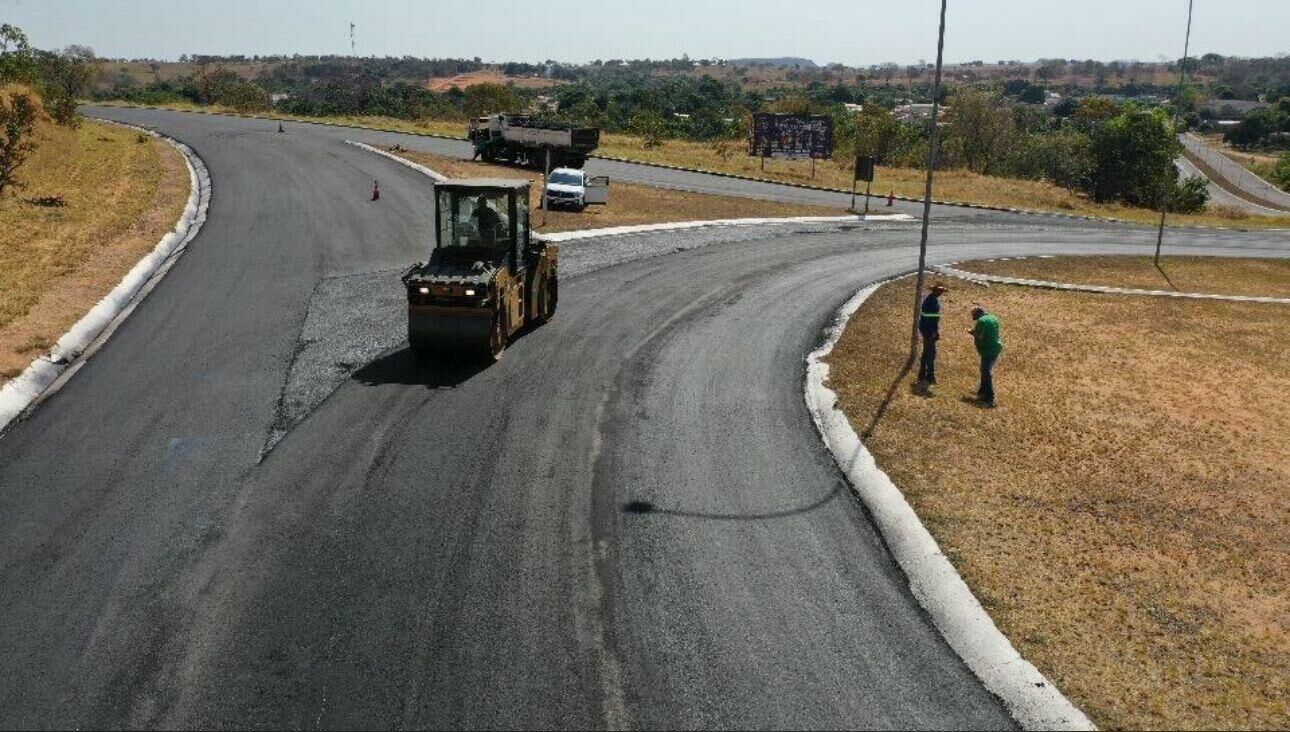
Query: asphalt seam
[[1030, 697], [87, 335], [962, 274]]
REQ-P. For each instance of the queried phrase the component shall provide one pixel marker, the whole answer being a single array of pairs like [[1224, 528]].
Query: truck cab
[[487, 276]]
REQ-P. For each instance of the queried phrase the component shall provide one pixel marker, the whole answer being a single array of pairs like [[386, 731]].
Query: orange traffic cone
[[376, 191], [891, 198]]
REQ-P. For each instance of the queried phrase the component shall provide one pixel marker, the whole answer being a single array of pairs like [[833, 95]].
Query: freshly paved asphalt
[[628, 522]]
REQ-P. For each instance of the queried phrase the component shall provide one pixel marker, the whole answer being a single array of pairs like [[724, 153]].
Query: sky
[[854, 32]]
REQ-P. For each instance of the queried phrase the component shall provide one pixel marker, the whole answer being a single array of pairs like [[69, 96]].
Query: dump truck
[[487, 276], [524, 140]]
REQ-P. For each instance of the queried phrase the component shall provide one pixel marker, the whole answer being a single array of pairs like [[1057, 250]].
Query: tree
[[17, 61], [1033, 94], [979, 130], [18, 121], [245, 96], [1281, 173], [1258, 127], [64, 78], [1064, 158], [651, 126], [873, 132], [482, 99], [1135, 155]]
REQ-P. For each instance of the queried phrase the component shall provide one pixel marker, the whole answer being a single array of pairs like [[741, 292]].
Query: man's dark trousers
[[986, 391], [927, 366]]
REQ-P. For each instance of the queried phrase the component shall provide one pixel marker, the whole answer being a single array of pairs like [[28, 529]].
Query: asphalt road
[[1236, 175], [628, 522]]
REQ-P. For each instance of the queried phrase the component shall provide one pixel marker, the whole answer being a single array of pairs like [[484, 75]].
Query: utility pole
[[352, 52], [1182, 77], [932, 153]]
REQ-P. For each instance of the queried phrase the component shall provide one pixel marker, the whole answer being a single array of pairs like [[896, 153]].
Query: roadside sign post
[[864, 171]]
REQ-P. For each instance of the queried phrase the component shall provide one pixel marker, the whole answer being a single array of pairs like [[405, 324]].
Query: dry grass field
[[1123, 513], [629, 204], [122, 194], [1214, 275]]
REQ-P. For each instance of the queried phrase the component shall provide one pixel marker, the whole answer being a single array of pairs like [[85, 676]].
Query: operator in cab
[[487, 221]]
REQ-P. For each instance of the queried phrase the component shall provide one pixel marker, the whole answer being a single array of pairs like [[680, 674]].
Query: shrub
[[17, 124], [1189, 195]]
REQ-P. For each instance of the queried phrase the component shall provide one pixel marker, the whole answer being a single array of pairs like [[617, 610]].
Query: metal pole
[[853, 193], [1182, 76], [933, 150], [545, 178], [867, 185]]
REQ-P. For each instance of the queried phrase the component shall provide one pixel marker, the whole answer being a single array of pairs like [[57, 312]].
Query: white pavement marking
[[560, 236], [434, 175], [1045, 284], [18, 394], [1031, 698]]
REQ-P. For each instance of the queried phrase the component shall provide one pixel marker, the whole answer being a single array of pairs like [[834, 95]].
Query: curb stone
[[1034, 702]]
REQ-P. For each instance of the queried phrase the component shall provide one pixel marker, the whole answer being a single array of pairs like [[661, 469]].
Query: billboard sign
[[791, 136]]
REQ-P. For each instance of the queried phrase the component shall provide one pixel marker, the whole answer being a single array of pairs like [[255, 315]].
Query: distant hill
[[782, 62]]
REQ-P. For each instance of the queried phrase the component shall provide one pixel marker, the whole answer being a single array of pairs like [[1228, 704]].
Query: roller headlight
[[470, 293], [425, 290]]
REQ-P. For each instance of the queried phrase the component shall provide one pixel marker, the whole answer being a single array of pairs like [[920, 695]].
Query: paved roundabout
[[251, 508]]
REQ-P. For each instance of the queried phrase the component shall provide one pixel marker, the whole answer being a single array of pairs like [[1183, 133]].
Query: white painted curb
[[1046, 284], [1031, 699], [562, 236], [18, 394], [436, 176]]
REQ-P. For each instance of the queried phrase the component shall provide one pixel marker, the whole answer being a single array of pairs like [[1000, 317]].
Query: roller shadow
[[402, 367]]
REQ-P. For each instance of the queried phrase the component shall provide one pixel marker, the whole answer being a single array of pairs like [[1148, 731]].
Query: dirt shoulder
[[122, 193], [1210, 275], [1122, 514], [629, 203]]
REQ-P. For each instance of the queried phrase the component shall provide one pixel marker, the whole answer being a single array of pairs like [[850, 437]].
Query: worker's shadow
[[402, 367]]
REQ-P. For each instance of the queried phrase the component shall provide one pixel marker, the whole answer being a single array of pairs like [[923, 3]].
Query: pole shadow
[[891, 393], [1165, 274]]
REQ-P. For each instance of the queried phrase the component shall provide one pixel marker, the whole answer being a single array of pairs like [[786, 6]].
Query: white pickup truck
[[573, 188]]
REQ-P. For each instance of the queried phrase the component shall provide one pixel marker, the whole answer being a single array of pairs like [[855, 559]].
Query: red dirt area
[[487, 76]]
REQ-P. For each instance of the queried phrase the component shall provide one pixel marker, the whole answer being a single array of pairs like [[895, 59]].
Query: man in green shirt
[[989, 345]]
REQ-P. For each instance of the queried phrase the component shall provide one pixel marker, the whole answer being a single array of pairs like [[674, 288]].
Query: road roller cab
[[487, 276]]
